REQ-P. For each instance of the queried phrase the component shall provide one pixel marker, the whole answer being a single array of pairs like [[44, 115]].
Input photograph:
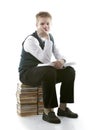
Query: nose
[[46, 26]]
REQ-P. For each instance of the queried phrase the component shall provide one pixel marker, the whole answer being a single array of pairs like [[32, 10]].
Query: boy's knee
[[71, 72], [71, 69], [50, 72]]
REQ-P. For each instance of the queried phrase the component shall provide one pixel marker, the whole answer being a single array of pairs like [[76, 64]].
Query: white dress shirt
[[31, 45]]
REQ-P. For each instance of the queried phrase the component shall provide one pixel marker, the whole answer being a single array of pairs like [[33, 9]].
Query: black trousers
[[48, 77]]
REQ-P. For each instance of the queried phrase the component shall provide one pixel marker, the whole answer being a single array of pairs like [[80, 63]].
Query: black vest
[[28, 60]]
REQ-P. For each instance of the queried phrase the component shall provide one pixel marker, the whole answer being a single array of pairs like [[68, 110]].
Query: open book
[[69, 64], [65, 64]]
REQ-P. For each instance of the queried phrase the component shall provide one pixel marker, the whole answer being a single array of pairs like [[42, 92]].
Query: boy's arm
[[31, 45], [57, 54]]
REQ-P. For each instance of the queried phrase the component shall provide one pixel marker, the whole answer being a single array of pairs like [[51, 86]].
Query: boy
[[36, 68]]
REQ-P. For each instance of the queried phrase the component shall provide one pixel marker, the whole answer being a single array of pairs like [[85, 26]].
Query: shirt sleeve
[[57, 54], [31, 45]]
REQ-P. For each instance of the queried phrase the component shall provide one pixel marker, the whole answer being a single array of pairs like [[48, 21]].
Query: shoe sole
[[67, 116], [51, 121]]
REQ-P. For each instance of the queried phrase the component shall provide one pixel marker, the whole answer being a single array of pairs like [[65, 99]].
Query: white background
[[73, 27]]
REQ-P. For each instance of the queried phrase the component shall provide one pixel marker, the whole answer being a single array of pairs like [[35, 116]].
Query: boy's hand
[[43, 33], [58, 64]]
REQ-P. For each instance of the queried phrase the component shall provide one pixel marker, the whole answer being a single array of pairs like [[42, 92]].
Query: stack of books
[[40, 101], [29, 100]]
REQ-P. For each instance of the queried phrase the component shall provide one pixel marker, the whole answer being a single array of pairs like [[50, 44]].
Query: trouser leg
[[49, 90], [66, 76], [46, 76]]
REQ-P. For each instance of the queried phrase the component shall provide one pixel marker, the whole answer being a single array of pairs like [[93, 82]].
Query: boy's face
[[43, 23]]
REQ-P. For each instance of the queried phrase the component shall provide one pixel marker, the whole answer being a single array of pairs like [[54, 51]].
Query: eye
[[42, 23], [47, 23]]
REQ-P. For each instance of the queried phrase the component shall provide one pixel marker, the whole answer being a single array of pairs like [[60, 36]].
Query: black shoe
[[67, 113], [51, 117]]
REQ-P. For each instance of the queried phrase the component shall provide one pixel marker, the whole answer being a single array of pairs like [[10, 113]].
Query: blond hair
[[43, 14]]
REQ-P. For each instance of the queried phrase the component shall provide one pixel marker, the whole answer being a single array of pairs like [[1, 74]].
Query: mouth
[[46, 29]]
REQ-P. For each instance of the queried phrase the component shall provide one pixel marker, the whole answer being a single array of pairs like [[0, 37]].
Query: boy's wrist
[[62, 61]]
